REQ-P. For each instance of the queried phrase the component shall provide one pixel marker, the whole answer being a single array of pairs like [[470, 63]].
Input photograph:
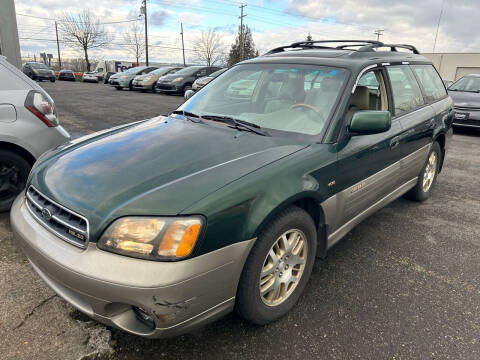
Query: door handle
[[394, 142]]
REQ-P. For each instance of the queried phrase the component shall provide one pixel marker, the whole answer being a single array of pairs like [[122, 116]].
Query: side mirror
[[189, 94], [370, 122]]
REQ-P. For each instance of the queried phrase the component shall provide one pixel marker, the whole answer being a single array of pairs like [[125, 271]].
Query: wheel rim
[[429, 173], [283, 267], [10, 181]]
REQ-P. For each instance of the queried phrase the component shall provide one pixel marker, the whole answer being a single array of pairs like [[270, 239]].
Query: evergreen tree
[[309, 37], [248, 47]]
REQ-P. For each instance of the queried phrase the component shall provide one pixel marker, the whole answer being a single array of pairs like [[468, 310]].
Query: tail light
[[42, 107]]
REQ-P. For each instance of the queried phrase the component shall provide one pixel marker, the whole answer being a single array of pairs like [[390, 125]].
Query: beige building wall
[[9, 45], [453, 66]]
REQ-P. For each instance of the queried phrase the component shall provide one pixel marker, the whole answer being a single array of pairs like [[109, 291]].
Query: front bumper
[[168, 87], [179, 296], [142, 85], [467, 118], [118, 83]]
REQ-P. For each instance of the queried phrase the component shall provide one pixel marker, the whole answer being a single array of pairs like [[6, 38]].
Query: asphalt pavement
[[404, 284]]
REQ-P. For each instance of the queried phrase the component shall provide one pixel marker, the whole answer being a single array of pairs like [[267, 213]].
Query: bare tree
[[209, 48], [83, 30], [135, 41]]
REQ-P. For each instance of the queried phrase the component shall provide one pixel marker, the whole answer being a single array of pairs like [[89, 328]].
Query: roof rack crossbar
[[365, 45]]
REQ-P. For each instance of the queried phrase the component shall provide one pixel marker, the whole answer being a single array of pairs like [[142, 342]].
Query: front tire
[[14, 171], [428, 175], [278, 267]]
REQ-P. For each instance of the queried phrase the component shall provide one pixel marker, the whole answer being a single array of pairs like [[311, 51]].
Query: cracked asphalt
[[404, 284]]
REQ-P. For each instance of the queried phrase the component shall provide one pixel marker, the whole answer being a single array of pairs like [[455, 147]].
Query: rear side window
[[431, 82], [406, 92]]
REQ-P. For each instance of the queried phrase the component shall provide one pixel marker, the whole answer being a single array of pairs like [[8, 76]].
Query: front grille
[[71, 227], [464, 108]]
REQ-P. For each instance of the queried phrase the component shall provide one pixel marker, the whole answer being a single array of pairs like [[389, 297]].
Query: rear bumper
[[178, 296]]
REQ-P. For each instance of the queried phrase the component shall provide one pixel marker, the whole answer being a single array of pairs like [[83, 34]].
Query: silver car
[[28, 128], [125, 78]]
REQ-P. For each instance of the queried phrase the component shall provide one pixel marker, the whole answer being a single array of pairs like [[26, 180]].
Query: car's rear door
[[416, 117]]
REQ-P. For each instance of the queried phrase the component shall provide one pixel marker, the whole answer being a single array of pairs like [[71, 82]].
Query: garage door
[[462, 71]]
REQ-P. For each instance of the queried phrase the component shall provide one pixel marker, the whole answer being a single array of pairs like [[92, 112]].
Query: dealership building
[[453, 66], [9, 45]]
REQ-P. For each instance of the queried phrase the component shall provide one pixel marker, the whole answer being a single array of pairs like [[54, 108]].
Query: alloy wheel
[[429, 173], [283, 267]]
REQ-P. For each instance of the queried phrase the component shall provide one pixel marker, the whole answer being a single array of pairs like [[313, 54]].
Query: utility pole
[[378, 32], [438, 26], [241, 30], [58, 49], [183, 46], [144, 12]]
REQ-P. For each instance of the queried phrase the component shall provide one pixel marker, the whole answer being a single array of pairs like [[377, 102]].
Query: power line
[[79, 22]]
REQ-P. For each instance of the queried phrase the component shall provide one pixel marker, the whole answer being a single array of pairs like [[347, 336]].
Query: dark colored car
[[38, 71], [465, 93], [182, 80], [201, 82], [107, 76], [66, 75], [159, 226]]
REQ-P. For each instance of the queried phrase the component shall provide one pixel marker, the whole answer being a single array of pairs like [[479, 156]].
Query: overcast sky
[[273, 22]]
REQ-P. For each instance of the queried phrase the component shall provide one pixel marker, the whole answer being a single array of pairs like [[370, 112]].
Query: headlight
[[153, 238], [178, 79]]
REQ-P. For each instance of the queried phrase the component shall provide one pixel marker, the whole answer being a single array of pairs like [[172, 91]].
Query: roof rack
[[364, 46]]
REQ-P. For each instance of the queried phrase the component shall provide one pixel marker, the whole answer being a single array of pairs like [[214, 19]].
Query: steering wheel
[[308, 106]]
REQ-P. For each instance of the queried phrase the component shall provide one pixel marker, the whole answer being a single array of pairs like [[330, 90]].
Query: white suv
[[28, 128]]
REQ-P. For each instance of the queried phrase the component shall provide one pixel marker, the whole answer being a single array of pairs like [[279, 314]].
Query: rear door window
[[431, 82], [406, 92]]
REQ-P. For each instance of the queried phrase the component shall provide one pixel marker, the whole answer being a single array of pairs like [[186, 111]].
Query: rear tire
[[277, 268], [14, 171], [428, 175]]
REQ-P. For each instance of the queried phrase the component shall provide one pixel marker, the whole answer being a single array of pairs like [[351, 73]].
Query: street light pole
[[183, 46]]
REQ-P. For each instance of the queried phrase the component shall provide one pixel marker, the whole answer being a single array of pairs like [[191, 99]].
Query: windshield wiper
[[189, 115], [238, 124]]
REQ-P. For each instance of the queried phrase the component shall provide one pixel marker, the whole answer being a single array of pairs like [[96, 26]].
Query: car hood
[[465, 99], [156, 167]]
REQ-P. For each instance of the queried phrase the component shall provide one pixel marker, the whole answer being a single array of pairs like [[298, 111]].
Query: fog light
[[143, 316]]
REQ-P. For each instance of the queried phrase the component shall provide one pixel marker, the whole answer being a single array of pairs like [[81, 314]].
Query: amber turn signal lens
[[180, 238]]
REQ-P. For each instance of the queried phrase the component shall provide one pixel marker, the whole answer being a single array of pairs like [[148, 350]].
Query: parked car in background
[[28, 127], [104, 67], [182, 80], [38, 71], [90, 77], [465, 93], [201, 82], [148, 81], [66, 75], [107, 76], [125, 79], [169, 223], [447, 83]]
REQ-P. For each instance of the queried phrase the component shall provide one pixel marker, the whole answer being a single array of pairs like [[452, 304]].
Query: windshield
[[161, 71], [135, 69], [38, 66], [467, 83], [293, 98], [188, 70]]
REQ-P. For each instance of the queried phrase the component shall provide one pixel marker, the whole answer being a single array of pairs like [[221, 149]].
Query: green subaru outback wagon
[[159, 226]]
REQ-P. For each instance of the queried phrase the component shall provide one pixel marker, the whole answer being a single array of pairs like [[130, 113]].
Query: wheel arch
[[311, 204], [441, 139], [18, 150]]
